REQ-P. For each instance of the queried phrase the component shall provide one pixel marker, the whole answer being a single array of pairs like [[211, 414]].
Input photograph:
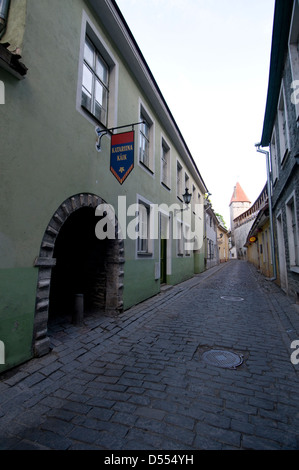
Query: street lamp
[[187, 196]]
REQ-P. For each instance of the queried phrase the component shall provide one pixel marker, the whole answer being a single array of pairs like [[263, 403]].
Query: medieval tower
[[239, 203]]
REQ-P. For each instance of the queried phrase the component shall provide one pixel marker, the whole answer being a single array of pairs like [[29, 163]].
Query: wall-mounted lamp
[[187, 196]]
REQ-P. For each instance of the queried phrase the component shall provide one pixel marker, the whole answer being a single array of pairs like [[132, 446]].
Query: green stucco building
[[73, 76]]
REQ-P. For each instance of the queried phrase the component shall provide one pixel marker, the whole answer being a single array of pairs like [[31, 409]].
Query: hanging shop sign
[[122, 155]]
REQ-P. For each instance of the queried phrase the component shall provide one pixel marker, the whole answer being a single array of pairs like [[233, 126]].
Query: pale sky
[[211, 60]]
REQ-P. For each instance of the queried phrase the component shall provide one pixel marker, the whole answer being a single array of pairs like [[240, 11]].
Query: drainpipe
[[4, 8], [270, 209]]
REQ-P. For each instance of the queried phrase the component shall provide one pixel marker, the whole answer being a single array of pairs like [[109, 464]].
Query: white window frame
[[145, 246], [180, 238], [165, 164], [98, 106], [187, 242], [183, 245], [193, 198], [294, 58], [88, 29], [292, 232], [149, 165], [187, 182], [273, 153], [283, 127], [179, 182]]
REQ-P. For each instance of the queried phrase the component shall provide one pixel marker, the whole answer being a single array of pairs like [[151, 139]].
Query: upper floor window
[[179, 180], [95, 83], [294, 58], [146, 140], [293, 235], [283, 126], [165, 164], [193, 201], [273, 151], [187, 182]]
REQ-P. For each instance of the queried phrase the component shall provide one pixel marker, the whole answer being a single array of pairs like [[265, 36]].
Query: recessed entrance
[[72, 262], [81, 267]]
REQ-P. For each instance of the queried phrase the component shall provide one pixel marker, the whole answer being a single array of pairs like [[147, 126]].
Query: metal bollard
[[78, 309]]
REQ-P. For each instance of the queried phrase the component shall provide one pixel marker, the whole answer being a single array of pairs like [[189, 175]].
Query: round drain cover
[[232, 298], [226, 359]]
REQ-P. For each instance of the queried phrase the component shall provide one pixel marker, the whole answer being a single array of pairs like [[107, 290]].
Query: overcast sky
[[211, 61]]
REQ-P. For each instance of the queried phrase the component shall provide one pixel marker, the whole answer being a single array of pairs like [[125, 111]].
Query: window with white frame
[[187, 182], [273, 152], [292, 231], [179, 173], [294, 58], [210, 249], [193, 198], [165, 164], [187, 241], [146, 141], [283, 126], [95, 82], [180, 238], [143, 239], [198, 205]]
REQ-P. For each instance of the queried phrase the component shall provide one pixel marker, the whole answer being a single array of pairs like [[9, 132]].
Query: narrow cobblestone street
[[139, 381]]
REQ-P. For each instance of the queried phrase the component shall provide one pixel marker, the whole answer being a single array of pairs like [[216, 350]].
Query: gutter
[[258, 149]]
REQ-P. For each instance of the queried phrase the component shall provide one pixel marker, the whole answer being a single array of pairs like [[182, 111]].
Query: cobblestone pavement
[[139, 380]]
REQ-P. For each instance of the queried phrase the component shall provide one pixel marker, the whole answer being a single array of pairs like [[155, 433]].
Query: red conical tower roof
[[239, 195]]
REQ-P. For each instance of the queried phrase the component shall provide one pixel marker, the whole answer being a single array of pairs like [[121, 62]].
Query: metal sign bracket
[[101, 132]]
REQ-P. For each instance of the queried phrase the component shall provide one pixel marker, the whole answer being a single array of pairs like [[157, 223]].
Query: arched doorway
[[73, 261]]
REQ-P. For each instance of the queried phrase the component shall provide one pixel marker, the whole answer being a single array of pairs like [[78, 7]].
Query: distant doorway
[[165, 247], [163, 260]]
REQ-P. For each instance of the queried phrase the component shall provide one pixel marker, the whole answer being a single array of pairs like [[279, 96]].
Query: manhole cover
[[232, 298], [225, 359]]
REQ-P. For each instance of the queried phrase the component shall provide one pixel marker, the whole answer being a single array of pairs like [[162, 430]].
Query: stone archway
[[46, 261]]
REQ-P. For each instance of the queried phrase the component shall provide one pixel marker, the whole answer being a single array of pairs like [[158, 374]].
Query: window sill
[[165, 186], [144, 255], [294, 269], [145, 167], [96, 120]]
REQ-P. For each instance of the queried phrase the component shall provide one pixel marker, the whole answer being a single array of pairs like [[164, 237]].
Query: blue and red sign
[[122, 155]]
